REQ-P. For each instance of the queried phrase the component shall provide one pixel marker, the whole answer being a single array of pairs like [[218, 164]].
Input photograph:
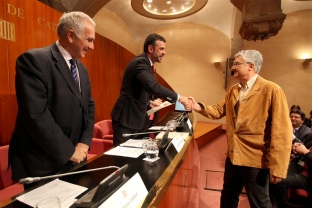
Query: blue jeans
[[255, 181]]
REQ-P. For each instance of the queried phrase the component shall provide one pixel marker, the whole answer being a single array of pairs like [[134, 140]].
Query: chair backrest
[[98, 132], [5, 174], [106, 126]]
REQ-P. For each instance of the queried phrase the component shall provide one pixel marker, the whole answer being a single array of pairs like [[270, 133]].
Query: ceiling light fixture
[[167, 9]]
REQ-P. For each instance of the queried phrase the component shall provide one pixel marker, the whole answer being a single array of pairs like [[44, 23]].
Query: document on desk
[[125, 152], [66, 192], [133, 143], [163, 105]]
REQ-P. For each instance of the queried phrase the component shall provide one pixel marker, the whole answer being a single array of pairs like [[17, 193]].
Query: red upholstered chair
[[297, 198], [8, 188], [103, 129], [99, 146], [102, 138]]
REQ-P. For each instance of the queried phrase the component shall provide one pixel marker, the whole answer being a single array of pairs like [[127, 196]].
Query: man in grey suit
[[138, 87], [55, 118]]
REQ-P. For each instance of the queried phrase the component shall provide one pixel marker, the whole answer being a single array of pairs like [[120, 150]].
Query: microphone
[[29, 180], [232, 72], [126, 135]]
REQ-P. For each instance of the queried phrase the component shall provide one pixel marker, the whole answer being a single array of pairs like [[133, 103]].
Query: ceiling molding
[[90, 7]]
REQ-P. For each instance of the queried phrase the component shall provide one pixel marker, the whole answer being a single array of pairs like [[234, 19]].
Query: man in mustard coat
[[259, 132]]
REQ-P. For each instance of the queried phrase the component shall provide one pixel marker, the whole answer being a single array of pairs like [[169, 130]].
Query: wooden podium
[[171, 181]]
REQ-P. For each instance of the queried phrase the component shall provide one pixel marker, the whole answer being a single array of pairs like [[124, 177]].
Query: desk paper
[[133, 143], [159, 128], [66, 192], [162, 105], [130, 195], [171, 135], [125, 152]]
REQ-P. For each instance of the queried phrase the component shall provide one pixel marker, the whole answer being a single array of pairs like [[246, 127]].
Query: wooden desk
[[171, 181]]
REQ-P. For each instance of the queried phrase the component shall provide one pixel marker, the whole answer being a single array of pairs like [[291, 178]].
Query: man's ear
[[150, 49], [70, 35]]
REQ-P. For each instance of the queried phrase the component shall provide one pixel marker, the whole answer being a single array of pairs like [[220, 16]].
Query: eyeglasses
[[238, 63]]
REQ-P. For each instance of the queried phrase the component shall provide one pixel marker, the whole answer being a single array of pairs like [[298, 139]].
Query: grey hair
[[251, 56], [73, 20]]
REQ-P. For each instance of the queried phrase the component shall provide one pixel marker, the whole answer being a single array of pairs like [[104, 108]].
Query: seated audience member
[[295, 107], [300, 130], [296, 180]]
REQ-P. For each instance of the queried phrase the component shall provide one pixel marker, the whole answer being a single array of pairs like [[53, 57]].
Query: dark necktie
[[73, 68]]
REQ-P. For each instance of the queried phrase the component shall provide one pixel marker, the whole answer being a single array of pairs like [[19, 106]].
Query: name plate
[[178, 142], [131, 195]]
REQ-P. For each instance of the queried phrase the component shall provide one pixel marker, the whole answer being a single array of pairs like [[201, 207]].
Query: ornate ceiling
[[217, 14]]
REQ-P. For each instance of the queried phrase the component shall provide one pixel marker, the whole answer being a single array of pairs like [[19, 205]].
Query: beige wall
[[282, 63], [192, 50]]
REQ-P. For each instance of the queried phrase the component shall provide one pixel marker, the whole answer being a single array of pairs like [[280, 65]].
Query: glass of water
[[171, 125], [152, 150], [144, 143]]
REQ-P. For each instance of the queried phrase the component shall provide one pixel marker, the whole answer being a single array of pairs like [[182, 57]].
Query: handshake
[[189, 103]]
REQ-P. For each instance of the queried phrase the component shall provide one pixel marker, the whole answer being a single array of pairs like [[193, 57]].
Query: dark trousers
[[119, 131], [294, 179], [255, 181]]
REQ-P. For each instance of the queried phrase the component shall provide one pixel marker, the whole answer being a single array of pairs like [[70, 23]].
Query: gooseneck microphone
[[29, 180], [126, 135]]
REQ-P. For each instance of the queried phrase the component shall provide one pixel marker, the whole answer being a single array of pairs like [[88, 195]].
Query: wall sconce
[[217, 63], [306, 61]]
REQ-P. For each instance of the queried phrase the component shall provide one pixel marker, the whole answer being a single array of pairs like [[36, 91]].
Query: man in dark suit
[[300, 130], [55, 118], [138, 86]]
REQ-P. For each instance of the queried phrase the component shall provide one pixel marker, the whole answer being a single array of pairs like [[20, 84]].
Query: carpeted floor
[[212, 158]]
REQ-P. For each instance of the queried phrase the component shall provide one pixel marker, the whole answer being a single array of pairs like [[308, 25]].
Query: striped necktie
[[73, 68]]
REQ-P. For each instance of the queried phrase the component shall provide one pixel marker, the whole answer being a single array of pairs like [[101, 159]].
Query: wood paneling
[[27, 32], [4, 72], [183, 190], [8, 111], [34, 26]]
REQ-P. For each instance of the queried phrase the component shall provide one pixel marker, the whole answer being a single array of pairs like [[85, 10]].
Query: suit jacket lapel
[[62, 66]]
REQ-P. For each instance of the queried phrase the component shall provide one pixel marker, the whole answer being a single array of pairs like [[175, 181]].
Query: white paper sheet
[[125, 152], [133, 143], [163, 105], [158, 128], [66, 192], [183, 135]]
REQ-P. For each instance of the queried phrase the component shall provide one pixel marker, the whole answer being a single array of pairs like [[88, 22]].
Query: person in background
[[300, 130], [295, 107], [300, 179], [257, 118], [55, 118], [307, 122], [139, 86]]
